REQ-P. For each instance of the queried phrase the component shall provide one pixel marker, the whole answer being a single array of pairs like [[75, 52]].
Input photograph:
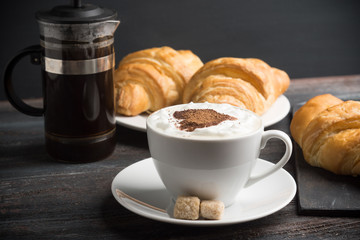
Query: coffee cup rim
[[200, 138]]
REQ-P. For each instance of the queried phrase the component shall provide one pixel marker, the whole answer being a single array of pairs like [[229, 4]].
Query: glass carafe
[[77, 59]]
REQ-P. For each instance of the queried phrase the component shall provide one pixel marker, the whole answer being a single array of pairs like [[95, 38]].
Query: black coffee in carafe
[[77, 56], [80, 127]]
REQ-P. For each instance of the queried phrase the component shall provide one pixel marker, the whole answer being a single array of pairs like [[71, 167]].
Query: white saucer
[[276, 113], [141, 181]]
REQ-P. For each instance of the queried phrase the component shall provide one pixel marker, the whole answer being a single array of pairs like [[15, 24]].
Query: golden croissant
[[151, 79], [248, 83], [328, 131]]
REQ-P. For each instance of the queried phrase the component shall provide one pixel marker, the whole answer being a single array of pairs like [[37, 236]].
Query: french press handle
[[35, 54]]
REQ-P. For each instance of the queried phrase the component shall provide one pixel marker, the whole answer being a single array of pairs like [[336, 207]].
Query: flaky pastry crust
[[151, 79], [328, 131], [248, 83]]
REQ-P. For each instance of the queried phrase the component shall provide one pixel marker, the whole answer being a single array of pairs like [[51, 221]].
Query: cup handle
[[285, 158], [18, 103]]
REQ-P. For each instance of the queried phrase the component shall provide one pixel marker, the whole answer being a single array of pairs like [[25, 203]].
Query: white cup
[[212, 162]]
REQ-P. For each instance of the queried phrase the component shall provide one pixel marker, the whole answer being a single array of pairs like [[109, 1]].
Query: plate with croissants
[[154, 78]]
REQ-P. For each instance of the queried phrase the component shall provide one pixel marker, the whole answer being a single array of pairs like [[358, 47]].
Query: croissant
[[151, 79], [248, 83], [328, 131]]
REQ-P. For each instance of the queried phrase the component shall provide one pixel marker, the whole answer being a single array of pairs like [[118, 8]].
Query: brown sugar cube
[[187, 207], [212, 209]]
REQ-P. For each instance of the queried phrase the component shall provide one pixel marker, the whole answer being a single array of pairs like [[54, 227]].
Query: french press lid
[[76, 13]]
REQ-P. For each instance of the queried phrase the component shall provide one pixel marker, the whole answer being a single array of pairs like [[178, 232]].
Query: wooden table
[[44, 199]]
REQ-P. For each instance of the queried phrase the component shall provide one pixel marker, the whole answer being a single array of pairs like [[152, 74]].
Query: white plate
[[276, 113], [141, 181]]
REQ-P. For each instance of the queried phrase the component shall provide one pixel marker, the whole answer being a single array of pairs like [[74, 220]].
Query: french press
[[76, 54]]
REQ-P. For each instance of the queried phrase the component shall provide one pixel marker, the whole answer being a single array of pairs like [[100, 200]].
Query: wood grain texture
[[44, 199]]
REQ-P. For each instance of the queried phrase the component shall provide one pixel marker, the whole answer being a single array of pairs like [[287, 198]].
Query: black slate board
[[323, 193]]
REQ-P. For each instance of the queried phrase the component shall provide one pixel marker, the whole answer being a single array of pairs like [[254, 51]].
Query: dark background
[[306, 38]]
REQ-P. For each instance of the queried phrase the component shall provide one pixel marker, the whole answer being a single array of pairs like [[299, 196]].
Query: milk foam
[[245, 123]]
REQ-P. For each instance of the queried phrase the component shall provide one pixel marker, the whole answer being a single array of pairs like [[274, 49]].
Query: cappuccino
[[209, 150], [204, 120]]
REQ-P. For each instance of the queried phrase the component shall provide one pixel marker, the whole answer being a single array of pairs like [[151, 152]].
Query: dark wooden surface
[[44, 199]]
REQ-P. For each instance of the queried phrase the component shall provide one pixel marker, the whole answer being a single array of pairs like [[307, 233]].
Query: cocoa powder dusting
[[200, 118]]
